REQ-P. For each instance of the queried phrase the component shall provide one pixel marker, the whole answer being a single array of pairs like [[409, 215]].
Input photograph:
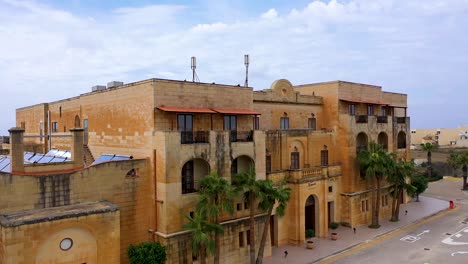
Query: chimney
[[77, 150], [16, 149]]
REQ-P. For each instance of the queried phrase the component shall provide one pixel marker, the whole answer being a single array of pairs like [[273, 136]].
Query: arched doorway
[[361, 142], [401, 140], [241, 164], [77, 121], [192, 172], [382, 140], [311, 214]]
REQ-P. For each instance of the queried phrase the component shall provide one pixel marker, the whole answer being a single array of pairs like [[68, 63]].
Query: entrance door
[[331, 212], [311, 214], [272, 231]]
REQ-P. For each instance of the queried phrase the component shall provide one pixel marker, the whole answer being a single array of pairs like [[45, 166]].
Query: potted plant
[[309, 235], [334, 236], [334, 225]]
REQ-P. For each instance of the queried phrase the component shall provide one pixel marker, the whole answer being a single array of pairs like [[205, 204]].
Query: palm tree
[[428, 147], [462, 161], [247, 184], [400, 173], [452, 161], [375, 162], [216, 196], [202, 234], [269, 196]]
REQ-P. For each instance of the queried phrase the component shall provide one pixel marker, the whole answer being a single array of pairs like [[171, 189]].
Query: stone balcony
[[311, 174]]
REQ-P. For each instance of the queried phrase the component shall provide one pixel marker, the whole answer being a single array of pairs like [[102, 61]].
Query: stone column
[[77, 147], [16, 149]]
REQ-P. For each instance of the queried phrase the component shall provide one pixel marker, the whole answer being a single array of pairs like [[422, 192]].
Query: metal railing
[[361, 119], [193, 137], [401, 120], [240, 136], [382, 119]]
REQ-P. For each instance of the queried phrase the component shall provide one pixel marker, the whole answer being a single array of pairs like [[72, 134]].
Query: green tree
[[269, 195], [420, 184], [399, 175], [428, 147], [462, 162], [216, 197], [202, 234], [147, 253], [375, 162], [452, 161], [247, 184]]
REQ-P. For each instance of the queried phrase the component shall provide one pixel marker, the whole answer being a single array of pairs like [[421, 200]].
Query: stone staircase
[[87, 156]]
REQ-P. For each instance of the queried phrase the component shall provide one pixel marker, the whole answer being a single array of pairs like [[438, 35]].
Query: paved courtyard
[[441, 192]]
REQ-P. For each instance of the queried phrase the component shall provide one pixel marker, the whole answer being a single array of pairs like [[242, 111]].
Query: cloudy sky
[[55, 49]]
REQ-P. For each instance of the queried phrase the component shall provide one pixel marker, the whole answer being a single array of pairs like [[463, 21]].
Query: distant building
[[444, 137], [177, 132]]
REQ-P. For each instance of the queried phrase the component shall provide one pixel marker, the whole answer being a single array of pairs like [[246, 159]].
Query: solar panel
[[7, 168], [36, 158], [59, 159], [28, 155], [45, 159], [111, 157], [121, 157], [4, 162], [52, 152]]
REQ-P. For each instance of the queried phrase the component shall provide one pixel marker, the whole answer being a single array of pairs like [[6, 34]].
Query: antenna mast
[[193, 65], [246, 63]]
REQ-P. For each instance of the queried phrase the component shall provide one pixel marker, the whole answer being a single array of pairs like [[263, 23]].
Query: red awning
[[364, 102], [236, 111], [186, 110]]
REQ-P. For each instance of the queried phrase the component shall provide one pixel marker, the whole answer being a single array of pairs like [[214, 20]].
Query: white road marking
[[410, 239], [450, 240], [459, 253], [423, 232]]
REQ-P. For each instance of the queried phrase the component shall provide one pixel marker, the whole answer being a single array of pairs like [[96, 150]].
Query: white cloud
[[407, 46], [270, 14]]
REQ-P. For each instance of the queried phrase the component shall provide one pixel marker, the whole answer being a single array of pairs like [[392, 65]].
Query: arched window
[[192, 172], [401, 140], [361, 142], [77, 121], [383, 140], [295, 163], [241, 164]]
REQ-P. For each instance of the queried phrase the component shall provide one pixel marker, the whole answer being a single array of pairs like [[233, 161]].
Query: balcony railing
[[361, 119], [240, 136], [401, 120], [382, 119], [192, 137]]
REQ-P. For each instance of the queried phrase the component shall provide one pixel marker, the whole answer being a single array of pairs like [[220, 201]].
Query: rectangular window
[[294, 160], [352, 109], [370, 110], [246, 205], [363, 206], [185, 122], [330, 188], [268, 163], [284, 123], [367, 205], [23, 125], [313, 123], [54, 127], [324, 157], [241, 239], [230, 122], [248, 237], [239, 207], [256, 123], [383, 111]]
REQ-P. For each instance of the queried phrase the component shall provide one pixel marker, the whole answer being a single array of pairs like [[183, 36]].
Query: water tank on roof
[[98, 88], [114, 84]]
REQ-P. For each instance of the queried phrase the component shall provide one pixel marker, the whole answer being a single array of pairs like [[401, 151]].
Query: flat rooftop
[[56, 213]]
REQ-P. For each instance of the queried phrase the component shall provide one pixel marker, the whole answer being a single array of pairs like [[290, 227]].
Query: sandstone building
[[177, 132]]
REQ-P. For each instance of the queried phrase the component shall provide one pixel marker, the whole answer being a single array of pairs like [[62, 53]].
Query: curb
[[383, 234]]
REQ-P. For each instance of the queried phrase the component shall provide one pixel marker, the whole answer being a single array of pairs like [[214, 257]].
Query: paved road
[[442, 240]]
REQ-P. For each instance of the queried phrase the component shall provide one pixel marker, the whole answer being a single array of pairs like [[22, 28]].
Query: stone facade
[[304, 135]]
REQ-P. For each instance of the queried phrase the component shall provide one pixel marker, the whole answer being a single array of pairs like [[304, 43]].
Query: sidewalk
[[325, 247]]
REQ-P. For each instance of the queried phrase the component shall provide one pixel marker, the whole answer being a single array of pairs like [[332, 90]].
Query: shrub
[[309, 233], [334, 225], [147, 253]]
